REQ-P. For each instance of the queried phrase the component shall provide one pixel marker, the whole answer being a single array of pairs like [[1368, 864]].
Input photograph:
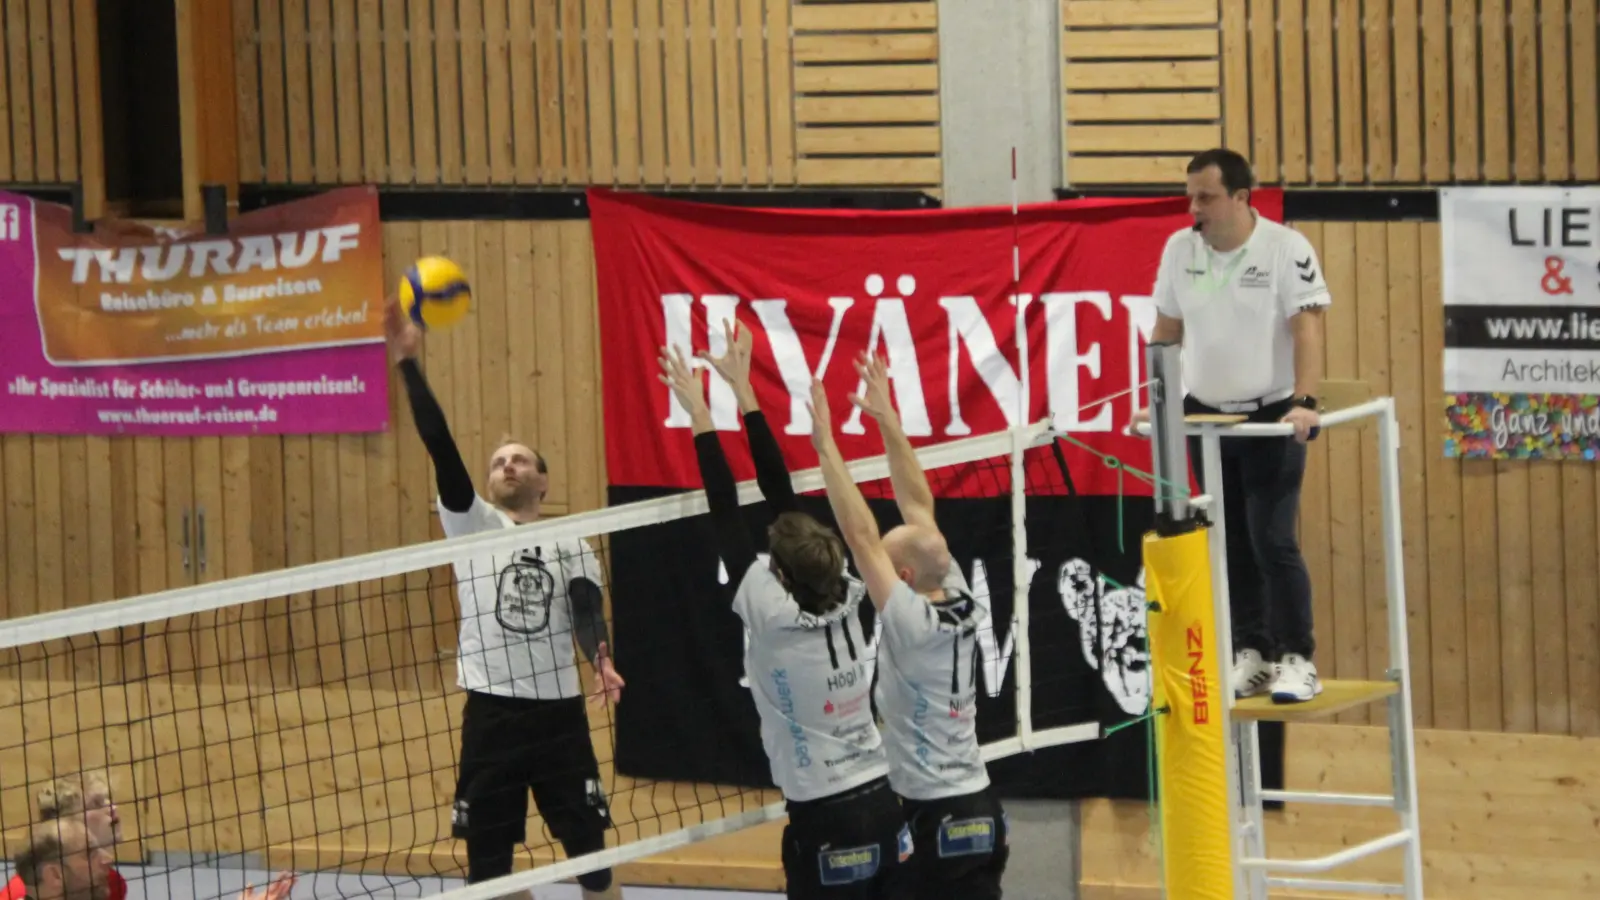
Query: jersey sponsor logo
[[459, 814], [966, 837], [840, 867], [523, 594], [848, 678], [1111, 631], [919, 731], [802, 750], [1256, 277]]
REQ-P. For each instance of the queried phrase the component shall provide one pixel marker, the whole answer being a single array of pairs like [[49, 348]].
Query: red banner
[[932, 291]]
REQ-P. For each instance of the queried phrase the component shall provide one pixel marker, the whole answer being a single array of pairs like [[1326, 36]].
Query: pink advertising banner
[[275, 327]]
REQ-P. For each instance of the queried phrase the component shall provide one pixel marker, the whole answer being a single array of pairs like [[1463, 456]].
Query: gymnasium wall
[[687, 94], [1332, 92]]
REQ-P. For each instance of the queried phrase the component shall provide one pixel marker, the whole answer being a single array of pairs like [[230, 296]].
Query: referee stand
[[1251, 870]]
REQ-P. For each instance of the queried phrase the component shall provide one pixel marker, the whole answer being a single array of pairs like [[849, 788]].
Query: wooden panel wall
[[1141, 85], [867, 94], [665, 93], [49, 92], [1502, 559], [1333, 92]]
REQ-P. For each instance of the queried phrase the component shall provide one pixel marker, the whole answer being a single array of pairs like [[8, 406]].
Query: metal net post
[[1169, 457]]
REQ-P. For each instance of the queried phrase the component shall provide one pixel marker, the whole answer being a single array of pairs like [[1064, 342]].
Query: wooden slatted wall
[[867, 93], [670, 93], [1327, 92], [49, 92], [1141, 82], [1502, 559]]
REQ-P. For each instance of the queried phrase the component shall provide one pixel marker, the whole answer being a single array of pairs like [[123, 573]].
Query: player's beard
[[514, 496]]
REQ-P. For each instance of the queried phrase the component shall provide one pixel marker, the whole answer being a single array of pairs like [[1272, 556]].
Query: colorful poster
[[1521, 270], [275, 327]]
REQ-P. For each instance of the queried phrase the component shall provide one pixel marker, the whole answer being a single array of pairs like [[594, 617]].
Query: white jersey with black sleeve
[[811, 678], [516, 616], [928, 689]]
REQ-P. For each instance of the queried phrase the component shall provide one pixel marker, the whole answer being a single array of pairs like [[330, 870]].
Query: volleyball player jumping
[[927, 684], [808, 659], [523, 725]]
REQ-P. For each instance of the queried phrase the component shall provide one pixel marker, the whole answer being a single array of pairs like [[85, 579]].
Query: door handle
[[200, 538], [186, 539]]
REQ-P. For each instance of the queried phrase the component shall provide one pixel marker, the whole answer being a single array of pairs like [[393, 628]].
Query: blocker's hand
[[821, 417], [734, 364], [678, 374], [1304, 421], [875, 400]]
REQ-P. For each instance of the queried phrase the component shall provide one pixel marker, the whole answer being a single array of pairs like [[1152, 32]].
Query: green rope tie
[[1149, 716]]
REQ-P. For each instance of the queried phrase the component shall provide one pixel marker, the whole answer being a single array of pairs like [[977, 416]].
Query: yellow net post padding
[[1191, 744]]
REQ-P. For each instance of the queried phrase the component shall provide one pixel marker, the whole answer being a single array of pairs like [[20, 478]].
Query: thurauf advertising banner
[[274, 327], [932, 292]]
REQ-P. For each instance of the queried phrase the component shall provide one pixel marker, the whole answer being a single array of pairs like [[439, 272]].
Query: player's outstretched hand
[[403, 335], [821, 417], [678, 374], [875, 400], [278, 890], [609, 684], [734, 364]]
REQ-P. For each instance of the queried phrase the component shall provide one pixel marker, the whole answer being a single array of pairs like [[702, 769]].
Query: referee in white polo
[[1245, 296]]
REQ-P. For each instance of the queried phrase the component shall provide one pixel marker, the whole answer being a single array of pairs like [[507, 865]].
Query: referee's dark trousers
[[1269, 589]]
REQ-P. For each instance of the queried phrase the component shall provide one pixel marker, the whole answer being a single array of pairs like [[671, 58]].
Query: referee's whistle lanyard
[[1212, 282]]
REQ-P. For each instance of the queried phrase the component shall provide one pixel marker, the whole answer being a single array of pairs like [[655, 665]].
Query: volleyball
[[435, 293]]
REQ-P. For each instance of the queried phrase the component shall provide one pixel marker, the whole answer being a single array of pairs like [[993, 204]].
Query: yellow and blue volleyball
[[435, 293]]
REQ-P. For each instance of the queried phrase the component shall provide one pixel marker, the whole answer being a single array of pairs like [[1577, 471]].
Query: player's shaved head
[[919, 554]]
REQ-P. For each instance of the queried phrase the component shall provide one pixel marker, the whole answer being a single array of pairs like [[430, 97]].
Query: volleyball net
[[309, 718]]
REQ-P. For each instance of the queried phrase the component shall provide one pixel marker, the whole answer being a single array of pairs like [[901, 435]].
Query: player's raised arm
[[911, 491], [722, 493], [850, 510], [772, 473], [456, 492]]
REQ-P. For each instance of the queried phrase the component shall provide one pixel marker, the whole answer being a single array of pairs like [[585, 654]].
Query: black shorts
[[961, 846], [850, 845], [511, 745]]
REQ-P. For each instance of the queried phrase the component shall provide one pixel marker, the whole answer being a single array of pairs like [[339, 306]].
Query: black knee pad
[[588, 843]]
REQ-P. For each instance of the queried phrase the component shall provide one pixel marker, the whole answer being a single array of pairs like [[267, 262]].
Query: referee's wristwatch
[[1306, 401]]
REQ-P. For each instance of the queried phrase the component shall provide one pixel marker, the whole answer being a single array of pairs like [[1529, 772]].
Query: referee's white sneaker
[[1252, 675], [1297, 680]]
